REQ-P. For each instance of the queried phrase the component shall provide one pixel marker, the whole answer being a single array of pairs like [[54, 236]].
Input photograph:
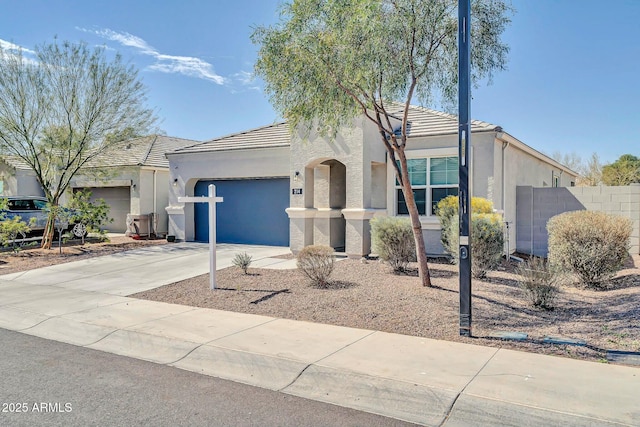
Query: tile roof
[[422, 122], [426, 122], [271, 136], [144, 151], [15, 162]]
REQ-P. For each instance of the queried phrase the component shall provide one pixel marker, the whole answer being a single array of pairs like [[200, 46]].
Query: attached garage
[[253, 211], [119, 201]]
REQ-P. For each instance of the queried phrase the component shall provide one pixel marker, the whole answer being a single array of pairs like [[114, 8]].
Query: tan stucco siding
[[187, 169], [522, 168], [19, 182]]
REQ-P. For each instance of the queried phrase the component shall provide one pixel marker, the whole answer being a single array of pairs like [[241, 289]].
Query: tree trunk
[[421, 251], [49, 229]]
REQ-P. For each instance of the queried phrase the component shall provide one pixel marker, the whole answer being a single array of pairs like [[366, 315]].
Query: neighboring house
[[281, 189], [133, 178], [17, 178]]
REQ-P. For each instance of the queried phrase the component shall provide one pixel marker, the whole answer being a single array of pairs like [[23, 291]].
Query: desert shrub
[[487, 242], [243, 261], [10, 229], [316, 262], [91, 214], [447, 212], [487, 239], [592, 245], [392, 239], [539, 282]]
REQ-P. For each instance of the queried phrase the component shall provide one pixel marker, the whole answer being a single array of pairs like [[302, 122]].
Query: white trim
[[429, 222], [301, 212], [431, 152], [362, 214], [175, 210], [503, 136], [96, 184]]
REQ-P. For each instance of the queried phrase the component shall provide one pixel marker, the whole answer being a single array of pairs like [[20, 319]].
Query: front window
[[432, 179]]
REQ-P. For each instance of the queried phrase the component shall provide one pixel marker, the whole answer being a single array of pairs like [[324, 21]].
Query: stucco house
[[132, 177], [282, 189], [17, 178]]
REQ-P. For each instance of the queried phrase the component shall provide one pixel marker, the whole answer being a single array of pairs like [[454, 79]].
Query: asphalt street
[[47, 383]]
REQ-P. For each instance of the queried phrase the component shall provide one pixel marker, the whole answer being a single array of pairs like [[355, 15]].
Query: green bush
[[447, 212], [392, 239], [243, 261], [10, 229], [592, 245], [316, 262], [487, 242], [539, 282], [81, 210]]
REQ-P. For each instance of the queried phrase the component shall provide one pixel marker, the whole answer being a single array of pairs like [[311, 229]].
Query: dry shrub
[[447, 212], [539, 282], [392, 239], [242, 261], [592, 245], [316, 262], [487, 242]]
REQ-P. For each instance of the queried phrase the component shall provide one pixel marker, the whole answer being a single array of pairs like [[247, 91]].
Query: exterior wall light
[[175, 182], [296, 176]]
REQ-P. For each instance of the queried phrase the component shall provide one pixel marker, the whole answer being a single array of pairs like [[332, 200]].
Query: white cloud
[[8, 46], [186, 65], [11, 50], [244, 77]]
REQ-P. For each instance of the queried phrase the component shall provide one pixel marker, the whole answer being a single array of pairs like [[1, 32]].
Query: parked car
[[28, 207]]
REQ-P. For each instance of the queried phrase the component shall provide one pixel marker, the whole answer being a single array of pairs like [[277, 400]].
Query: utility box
[[140, 225]]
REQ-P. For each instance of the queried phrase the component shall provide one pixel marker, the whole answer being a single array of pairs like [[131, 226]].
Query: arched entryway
[[326, 185]]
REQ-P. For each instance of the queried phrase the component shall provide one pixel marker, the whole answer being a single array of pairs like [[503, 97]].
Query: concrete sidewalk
[[415, 379]]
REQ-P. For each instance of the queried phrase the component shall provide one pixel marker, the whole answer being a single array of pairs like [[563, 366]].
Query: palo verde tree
[[65, 106], [329, 61]]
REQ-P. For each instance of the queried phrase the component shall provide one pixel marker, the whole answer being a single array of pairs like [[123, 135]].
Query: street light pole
[[464, 137]]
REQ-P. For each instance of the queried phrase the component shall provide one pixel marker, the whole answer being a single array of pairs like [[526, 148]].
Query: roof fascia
[[505, 137]]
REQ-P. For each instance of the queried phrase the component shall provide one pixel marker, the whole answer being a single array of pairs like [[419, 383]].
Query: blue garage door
[[253, 212]]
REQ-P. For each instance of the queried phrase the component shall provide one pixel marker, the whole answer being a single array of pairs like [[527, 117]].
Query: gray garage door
[[119, 201], [253, 211]]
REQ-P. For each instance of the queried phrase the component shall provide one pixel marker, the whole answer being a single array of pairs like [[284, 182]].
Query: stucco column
[[329, 228], [176, 222], [358, 231], [300, 227]]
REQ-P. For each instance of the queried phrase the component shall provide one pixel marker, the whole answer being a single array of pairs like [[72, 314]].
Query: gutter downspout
[[155, 201], [505, 144]]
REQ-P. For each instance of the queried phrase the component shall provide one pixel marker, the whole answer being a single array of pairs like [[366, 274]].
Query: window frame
[[427, 154]]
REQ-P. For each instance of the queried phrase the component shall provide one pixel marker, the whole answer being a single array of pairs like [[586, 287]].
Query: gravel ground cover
[[29, 258], [367, 294]]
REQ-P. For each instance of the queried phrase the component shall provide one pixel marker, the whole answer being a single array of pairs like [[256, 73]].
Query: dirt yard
[[368, 295], [32, 257]]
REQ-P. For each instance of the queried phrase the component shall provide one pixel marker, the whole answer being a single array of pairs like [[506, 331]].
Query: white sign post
[[212, 200]]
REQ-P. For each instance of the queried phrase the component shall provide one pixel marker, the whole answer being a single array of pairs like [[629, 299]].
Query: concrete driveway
[[424, 381], [146, 268]]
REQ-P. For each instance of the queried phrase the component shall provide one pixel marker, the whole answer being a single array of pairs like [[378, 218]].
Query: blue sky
[[571, 83]]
